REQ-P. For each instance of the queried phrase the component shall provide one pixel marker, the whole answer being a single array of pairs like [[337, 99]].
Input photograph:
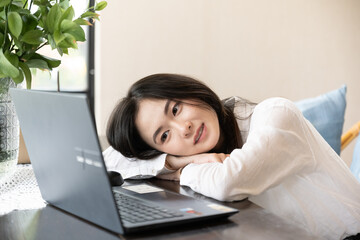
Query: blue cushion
[[326, 113], [355, 164]]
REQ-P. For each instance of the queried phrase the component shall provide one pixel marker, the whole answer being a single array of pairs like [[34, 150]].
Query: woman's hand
[[209, 157], [178, 163], [175, 163]]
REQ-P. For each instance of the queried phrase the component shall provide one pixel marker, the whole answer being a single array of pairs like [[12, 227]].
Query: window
[[76, 71]]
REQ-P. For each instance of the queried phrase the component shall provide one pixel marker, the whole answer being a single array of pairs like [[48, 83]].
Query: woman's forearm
[[177, 162]]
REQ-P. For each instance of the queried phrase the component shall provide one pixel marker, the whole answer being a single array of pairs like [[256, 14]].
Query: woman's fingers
[[180, 162], [176, 162], [210, 157]]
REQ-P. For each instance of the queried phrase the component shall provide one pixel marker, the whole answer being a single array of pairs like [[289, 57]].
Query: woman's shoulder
[[275, 111], [275, 108], [276, 103]]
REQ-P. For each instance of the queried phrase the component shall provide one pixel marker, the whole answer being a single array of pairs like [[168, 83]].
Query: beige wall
[[251, 48]]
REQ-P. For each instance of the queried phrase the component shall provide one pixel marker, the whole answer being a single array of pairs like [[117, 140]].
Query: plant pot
[[9, 129]]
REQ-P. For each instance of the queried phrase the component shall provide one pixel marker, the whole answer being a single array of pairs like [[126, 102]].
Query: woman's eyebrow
[[166, 109]]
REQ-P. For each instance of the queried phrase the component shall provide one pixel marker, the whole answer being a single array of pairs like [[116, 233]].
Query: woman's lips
[[199, 133]]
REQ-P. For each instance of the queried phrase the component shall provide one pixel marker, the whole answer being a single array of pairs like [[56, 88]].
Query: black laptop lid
[[63, 146]]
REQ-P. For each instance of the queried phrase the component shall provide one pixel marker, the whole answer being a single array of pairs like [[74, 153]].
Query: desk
[[50, 223]]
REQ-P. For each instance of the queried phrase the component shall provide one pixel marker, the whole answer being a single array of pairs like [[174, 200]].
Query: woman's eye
[[164, 136], [175, 109]]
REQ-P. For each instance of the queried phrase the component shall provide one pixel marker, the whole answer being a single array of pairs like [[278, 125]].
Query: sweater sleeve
[[275, 148], [131, 168]]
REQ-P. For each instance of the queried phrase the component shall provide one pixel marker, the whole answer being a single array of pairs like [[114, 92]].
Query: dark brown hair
[[123, 135]]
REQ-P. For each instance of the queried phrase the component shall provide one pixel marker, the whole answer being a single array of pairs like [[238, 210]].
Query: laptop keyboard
[[134, 210]]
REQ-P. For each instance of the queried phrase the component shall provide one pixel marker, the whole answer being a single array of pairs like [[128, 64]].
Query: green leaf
[[74, 29], [42, 22], [6, 67], [61, 51], [68, 14], [7, 41], [81, 21], [25, 3], [53, 18], [30, 22], [3, 15], [24, 67], [41, 2], [13, 58], [34, 37], [27, 56], [19, 78], [27, 48], [100, 6], [20, 47], [15, 23], [78, 33], [17, 3], [90, 14], [65, 50], [52, 63], [64, 4], [51, 42], [4, 2], [68, 42], [1, 38], [2, 75], [66, 25], [58, 37], [37, 63], [22, 11]]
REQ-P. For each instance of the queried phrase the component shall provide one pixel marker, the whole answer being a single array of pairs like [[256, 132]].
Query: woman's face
[[177, 128]]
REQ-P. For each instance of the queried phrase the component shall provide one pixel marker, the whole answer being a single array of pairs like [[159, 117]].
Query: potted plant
[[25, 27]]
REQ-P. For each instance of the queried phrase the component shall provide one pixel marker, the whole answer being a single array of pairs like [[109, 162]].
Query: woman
[[267, 152]]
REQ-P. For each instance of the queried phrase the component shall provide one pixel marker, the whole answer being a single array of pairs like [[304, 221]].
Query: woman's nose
[[186, 129]]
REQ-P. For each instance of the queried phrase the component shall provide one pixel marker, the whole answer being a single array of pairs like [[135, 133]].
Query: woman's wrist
[[175, 163]]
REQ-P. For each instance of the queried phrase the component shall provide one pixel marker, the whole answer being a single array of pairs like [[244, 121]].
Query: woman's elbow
[[227, 190], [228, 195], [220, 196]]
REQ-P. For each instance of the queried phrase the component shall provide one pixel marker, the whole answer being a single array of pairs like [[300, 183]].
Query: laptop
[[61, 138]]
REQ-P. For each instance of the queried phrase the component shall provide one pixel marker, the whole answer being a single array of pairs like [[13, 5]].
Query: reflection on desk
[[252, 222]]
